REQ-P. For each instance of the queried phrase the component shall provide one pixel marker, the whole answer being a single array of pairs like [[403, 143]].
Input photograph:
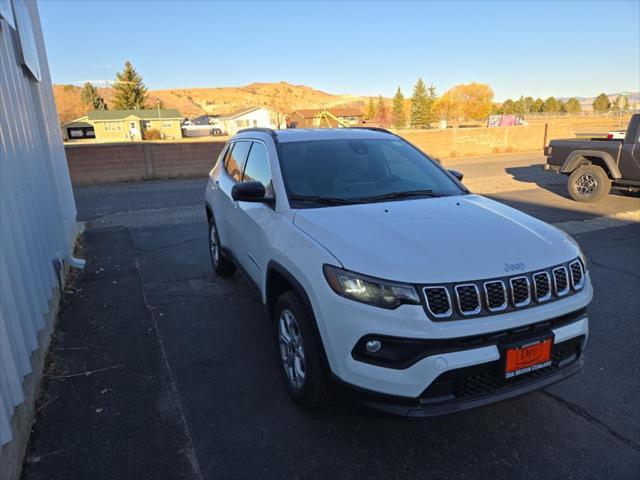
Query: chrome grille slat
[[468, 297], [520, 291], [577, 274], [560, 281], [493, 296], [437, 297], [541, 286]]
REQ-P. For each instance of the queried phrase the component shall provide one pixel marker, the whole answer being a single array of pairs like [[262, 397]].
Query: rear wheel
[[299, 352], [220, 263], [588, 183]]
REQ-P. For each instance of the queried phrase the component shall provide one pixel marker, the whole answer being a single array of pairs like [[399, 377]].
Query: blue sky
[[538, 48]]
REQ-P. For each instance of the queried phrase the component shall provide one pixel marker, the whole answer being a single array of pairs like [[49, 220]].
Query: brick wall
[[99, 163]]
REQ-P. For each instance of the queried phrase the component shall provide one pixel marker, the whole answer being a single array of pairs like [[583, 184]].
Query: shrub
[[151, 134]]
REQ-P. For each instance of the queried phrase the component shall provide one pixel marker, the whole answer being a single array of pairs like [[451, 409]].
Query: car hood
[[432, 240]]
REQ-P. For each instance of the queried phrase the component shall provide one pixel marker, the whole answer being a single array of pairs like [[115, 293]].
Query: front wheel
[[220, 263], [588, 183], [299, 352]]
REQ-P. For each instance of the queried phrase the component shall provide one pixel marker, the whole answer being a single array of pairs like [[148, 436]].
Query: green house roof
[[166, 113]]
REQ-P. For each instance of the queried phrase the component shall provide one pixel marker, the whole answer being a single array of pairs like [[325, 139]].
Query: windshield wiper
[[405, 194], [323, 200]]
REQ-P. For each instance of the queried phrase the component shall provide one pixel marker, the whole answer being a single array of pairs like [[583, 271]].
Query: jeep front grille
[[468, 299], [438, 301], [560, 281], [520, 291], [577, 276], [496, 295], [541, 286], [454, 301]]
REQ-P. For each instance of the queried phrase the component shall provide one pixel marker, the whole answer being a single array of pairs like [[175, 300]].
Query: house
[[37, 225], [316, 118], [124, 125], [246, 118], [201, 126]]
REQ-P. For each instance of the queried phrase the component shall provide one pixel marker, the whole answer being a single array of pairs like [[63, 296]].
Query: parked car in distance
[[616, 134], [595, 166], [384, 277]]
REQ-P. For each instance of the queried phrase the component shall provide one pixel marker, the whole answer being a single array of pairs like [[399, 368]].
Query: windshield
[[360, 171]]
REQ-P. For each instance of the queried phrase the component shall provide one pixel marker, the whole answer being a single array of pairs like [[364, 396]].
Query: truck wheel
[[299, 352], [588, 183]]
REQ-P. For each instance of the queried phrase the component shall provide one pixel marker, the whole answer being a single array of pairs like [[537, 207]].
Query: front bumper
[[419, 408], [344, 323], [475, 385]]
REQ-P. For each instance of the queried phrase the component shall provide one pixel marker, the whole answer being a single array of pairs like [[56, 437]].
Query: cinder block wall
[[466, 142], [123, 162]]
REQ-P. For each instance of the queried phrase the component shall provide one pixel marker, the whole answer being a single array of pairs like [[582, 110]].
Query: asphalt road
[[194, 389]]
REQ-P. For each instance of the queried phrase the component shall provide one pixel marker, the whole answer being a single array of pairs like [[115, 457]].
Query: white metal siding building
[[37, 210]]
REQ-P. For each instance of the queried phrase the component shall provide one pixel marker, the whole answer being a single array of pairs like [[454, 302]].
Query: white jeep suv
[[385, 277]]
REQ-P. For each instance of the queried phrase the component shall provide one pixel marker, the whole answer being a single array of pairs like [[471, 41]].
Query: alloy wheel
[[291, 349], [586, 184], [213, 245]]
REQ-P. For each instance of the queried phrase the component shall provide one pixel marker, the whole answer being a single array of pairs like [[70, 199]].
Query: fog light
[[372, 346]]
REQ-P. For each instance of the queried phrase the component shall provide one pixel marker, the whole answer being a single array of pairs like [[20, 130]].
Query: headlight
[[373, 291]]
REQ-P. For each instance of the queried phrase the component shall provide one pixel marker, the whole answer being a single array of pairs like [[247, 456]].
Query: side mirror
[[250, 192], [456, 174]]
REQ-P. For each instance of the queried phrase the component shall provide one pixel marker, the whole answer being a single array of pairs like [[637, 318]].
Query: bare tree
[[281, 104]]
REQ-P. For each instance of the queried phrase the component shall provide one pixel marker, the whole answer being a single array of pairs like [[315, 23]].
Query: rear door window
[[234, 163]]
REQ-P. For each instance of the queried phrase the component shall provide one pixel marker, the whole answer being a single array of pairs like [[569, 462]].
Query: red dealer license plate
[[528, 357]]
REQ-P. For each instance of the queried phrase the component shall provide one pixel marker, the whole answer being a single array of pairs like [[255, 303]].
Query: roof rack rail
[[375, 129], [269, 131]]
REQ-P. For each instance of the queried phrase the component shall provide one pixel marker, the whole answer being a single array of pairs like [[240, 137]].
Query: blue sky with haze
[[538, 48]]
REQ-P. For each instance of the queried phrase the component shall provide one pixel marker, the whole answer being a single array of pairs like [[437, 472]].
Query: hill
[[219, 100]]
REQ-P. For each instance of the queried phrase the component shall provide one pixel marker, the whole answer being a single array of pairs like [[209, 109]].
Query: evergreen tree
[[90, 96], [528, 104], [398, 116], [420, 106], [537, 105], [130, 92], [551, 105], [601, 103], [371, 110], [563, 106], [508, 107], [573, 106]]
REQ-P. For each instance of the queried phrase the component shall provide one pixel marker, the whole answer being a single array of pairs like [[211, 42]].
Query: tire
[[299, 354], [221, 264], [588, 183]]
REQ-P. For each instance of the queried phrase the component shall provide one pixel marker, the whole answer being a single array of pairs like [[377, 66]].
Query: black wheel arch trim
[[299, 289], [573, 161]]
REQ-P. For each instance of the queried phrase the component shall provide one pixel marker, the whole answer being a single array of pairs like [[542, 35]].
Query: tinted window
[[356, 169], [257, 169], [234, 164]]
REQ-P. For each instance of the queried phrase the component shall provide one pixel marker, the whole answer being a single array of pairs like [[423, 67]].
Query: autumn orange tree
[[463, 102]]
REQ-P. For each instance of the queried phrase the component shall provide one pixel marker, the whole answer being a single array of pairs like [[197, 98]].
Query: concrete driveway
[[161, 370]]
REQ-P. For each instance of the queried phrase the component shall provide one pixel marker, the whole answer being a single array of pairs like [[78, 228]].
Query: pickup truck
[[595, 166]]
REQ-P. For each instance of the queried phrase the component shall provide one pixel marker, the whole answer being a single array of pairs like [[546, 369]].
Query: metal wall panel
[[37, 210]]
